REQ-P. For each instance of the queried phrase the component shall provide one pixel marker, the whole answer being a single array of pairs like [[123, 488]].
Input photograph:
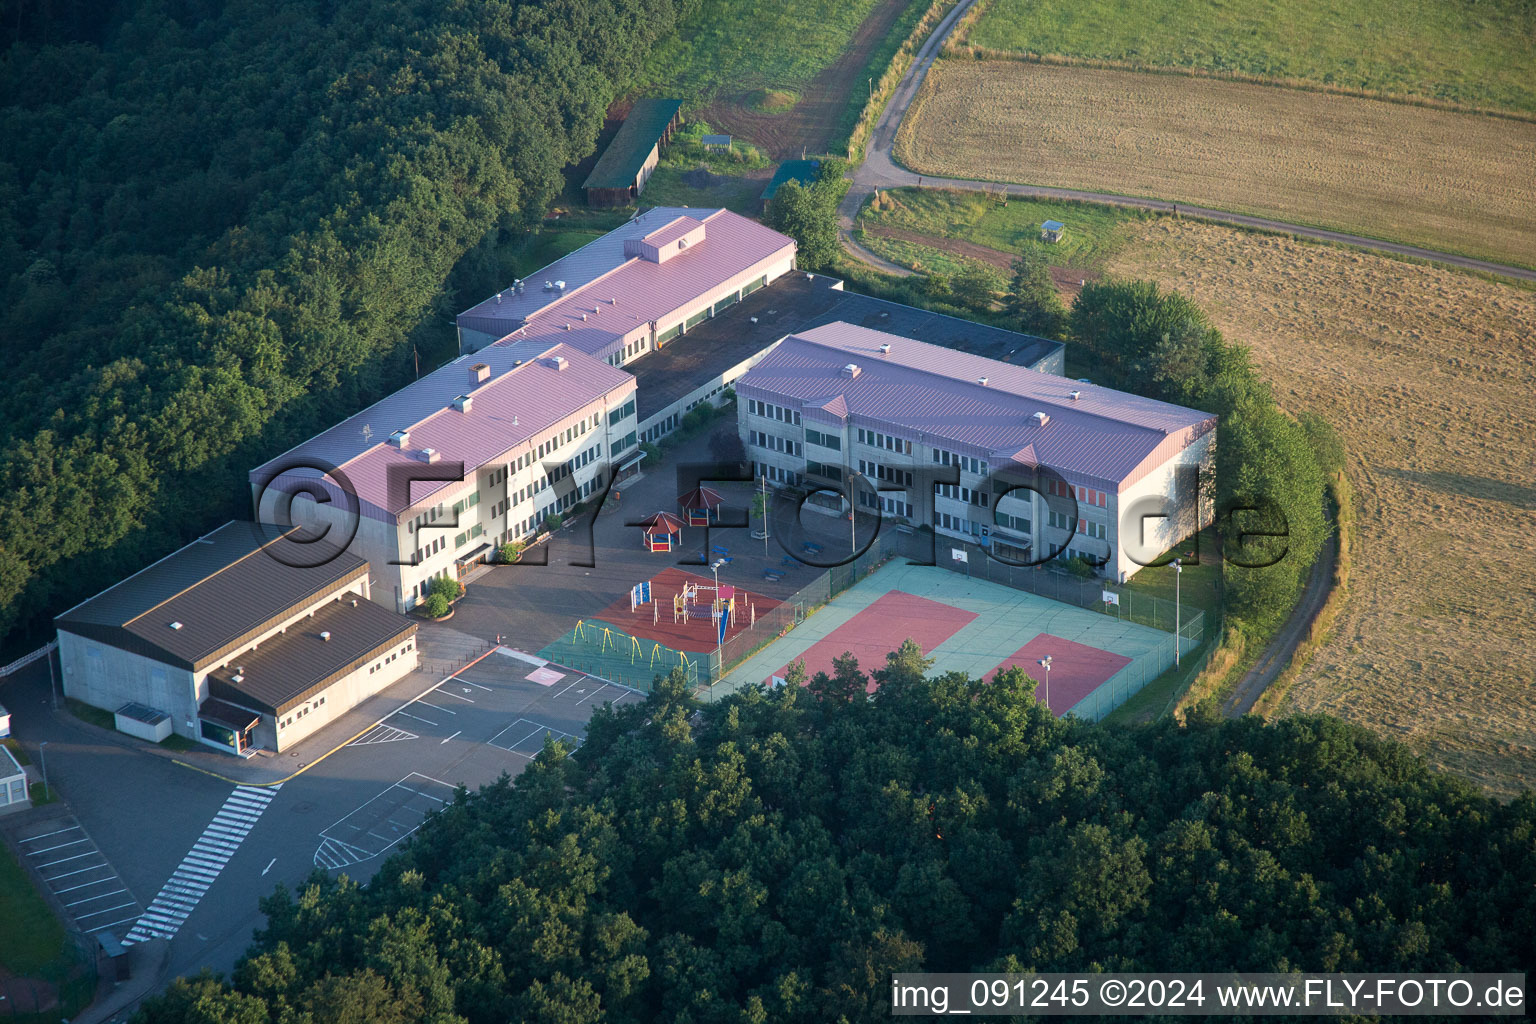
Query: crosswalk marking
[[200, 868]]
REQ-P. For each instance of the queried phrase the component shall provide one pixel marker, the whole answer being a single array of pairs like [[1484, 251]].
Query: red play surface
[[698, 634], [879, 629], [1076, 669]]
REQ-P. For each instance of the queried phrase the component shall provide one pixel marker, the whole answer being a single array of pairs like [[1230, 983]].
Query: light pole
[[1046, 661], [1178, 574], [853, 534], [714, 567], [42, 754], [764, 495], [53, 687]]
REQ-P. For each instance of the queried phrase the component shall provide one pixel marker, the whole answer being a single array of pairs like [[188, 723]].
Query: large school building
[[1093, 473]]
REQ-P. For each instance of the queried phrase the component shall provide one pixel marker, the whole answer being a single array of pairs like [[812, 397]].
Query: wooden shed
[[625, 166], [1052, 230]]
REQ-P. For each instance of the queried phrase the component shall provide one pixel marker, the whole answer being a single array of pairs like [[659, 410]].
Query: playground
[[1098, 660]]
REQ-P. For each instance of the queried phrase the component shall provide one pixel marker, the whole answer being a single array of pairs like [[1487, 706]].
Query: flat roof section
[[198, 601], [798, 302], [297, 664], [622, 161]]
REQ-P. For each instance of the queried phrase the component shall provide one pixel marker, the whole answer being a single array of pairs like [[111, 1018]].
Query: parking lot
[[77, 873], [492, 718]]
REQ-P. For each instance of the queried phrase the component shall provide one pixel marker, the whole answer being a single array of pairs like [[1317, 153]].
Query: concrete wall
[[337, 699], [1185, 516], [109, 677]]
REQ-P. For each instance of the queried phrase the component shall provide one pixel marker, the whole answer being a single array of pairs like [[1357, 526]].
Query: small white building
[[236, 645], [14, 795]]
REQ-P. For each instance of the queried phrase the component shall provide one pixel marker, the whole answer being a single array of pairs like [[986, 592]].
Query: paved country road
[[879, 171]]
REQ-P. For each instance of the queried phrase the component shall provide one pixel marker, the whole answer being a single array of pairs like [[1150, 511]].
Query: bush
[[450, 589], [552, 523], [436, 605], [510, 552], [1078, 567]]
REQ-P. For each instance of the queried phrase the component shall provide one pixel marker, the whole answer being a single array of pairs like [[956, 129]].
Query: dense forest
[[775, 856], [222, 223]]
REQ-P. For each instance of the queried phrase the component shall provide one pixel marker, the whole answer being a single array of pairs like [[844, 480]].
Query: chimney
[[557, 362], [982, 381], [1041, 419], [325, 635], [885, 349], [479, 373], [429, 455], [400, 438], [463, 403], [851, 371]]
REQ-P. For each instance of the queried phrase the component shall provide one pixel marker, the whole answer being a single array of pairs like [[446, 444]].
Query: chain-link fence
[[607, 652]]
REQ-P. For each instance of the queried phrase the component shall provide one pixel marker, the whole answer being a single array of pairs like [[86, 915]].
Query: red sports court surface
[[880, 628], [698, 634], [1076, 669]]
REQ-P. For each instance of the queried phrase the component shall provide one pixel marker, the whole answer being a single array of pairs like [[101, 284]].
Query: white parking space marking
[[382, 821], [525, 737], [200, 868], [418, 718], [450, 693], [594, 693], [434, 707], [383, 734], [75, 871]]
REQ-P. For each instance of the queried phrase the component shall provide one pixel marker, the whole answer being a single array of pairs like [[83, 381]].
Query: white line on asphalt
[[450, 737], [49, 849], [461, 696], [434, 707], [109, 910], [562, 692], [66, 860], [477, 686], [84, 885], [45, 835], [78, 871], [269, 865], [91, 899], [114, 924], [594, 693], [418, 718]]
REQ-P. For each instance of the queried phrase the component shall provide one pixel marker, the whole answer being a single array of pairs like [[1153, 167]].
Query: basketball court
[[976, 627]]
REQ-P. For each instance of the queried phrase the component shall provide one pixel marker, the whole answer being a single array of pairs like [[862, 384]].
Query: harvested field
[[1443, 179], [1429, 375]]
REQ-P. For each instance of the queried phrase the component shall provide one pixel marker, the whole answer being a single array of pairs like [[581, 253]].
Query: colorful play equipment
[[661, 532], [688, 604], [701, 505]]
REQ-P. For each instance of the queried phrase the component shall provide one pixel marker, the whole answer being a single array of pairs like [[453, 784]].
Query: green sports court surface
[[976, 627]]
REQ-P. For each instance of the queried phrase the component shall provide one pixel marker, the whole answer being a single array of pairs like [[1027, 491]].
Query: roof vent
[[498, 298], [519, 286], [479, 373], [429, 455], [237, 678], [557, 362], [1074, 395], [982, 381], [885, 349], [851, 370], [560, 287], [1041, 419], [175, 625], [400, 438], [583, 318], [567, 326], [549, 286], [325, 635], [463, 403], [682, 243], [354, 602]]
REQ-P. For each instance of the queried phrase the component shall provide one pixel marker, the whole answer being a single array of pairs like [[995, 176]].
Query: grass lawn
[[31, 939], [732, 46], [1478, 54], [87, 713], [1094, 232]]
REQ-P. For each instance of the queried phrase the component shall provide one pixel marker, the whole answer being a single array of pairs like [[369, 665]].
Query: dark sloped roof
[[221, 588], [298, 663], [621, 162], [804, 171]]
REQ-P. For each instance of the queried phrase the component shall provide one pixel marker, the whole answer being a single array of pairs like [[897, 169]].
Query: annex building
[[233, 646], [842, 402]]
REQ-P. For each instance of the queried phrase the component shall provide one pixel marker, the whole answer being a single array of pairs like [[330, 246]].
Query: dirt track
[[810, 125], [1068, 281]]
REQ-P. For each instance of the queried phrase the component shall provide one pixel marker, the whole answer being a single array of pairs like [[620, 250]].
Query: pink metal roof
[[618, 293], [523, 400], [932, 393]]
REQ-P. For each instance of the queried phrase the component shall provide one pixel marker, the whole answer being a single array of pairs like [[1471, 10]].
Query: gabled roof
[[196, 604], [526, 394], [625, 156], [617, 291], [932, 392]]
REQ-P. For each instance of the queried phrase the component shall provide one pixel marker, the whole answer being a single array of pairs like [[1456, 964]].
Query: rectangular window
[[461, 540]]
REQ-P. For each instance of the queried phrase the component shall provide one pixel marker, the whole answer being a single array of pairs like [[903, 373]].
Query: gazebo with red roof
[[661, 532], [701, 505]]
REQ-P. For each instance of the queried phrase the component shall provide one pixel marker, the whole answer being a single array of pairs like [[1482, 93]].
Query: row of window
[[875, 439], [831, 441], [893, 506], [617, 415], [776, 474], [965, 462], [666, 426], [769, 411], [889, 474], [825, 470], [775, 443], [622, 444], [378, 666], [1014, 522], [969, 495], [959, 524], [1084, 495], [467, 536], [313, 705]]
